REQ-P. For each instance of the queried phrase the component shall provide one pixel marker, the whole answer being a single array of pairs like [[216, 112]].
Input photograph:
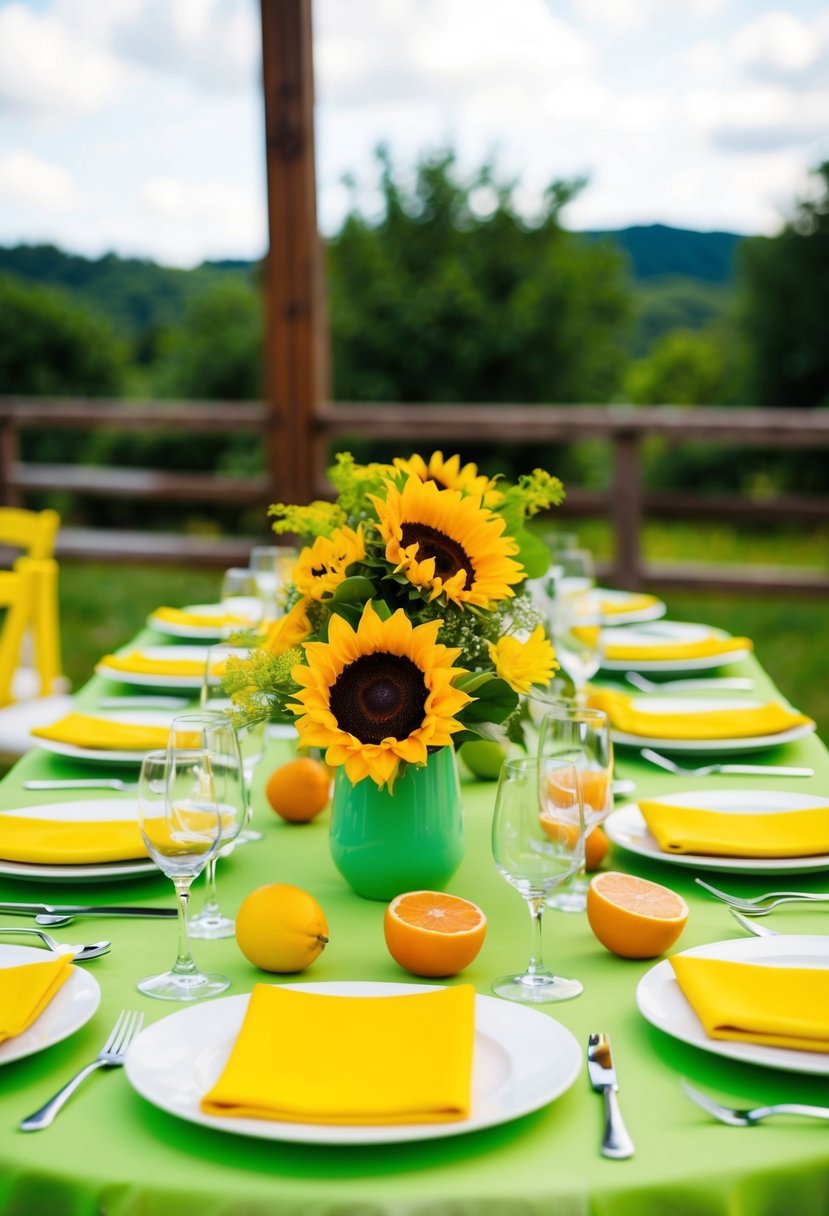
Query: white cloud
[[28, 181], [46, 66], [779, 47], [196, 220]]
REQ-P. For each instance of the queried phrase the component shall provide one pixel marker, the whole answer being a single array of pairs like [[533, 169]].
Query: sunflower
[[378, 695], [321, 567], [447, 544], [523, 664], [289, 630], [450, 475]]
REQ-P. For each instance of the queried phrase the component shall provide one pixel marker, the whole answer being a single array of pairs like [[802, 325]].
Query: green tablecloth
[[111, 1152]]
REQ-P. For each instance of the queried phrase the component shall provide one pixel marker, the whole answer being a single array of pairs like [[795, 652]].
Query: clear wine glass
[[580, 737], [536, 853], [272, 567], [240, 595], [251, 738], [213, 731], [577, 635], [180, 812]]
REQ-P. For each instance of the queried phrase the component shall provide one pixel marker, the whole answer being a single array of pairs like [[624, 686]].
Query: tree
[[683, 368], [216, 351], [784, 291], [438, 302]]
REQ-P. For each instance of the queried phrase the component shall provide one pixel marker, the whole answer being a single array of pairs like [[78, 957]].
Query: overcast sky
[[136, 125]]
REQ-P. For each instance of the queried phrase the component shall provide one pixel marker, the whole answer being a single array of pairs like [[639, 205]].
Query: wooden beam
[[295, 379]]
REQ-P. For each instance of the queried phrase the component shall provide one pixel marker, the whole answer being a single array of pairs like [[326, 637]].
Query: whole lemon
[[299, 790], [281, 928]]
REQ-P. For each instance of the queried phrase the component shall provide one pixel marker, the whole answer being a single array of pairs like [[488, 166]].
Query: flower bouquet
[[407, 626]]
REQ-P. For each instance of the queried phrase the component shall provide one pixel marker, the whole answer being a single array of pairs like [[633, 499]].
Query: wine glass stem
[[185, 964], [536, 963], [211, 898]]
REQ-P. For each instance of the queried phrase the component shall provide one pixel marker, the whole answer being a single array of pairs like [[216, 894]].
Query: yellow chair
[[17, 591], [33, 532]]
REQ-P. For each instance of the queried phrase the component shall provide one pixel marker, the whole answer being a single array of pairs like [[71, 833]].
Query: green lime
[[483, 758]]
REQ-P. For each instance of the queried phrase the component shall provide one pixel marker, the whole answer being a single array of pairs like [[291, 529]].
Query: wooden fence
[[626, 503]]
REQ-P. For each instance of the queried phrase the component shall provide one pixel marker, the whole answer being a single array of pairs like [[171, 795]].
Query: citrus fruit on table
[[633, 917], [433, 934], [596, 848], [483, 758], [299, 790], [281, 928]]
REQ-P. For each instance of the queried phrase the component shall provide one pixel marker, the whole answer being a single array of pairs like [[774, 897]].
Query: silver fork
[[745, 770], [110, 1056], [82, 783], [751, 927], [761, 905], [645, 685], [751, 1115]]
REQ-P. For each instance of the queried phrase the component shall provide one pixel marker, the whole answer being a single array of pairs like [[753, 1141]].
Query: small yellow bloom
[[322, 566], [289, 630], [450, 475], [522, 664]]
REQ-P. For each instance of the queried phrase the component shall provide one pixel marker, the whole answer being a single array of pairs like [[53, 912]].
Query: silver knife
[[85, 910], [615, 1142]]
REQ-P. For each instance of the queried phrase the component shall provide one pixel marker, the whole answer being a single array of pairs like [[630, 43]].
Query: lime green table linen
[[110, 1151]]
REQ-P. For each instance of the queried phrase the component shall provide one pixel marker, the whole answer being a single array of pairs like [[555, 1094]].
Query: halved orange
[[633, 917], [433, 934]]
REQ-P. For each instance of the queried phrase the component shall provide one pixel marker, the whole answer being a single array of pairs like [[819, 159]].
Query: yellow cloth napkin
[[702, 649], [686, 829], [749, 1003], [58, 842], [768, 719], [201, 620], [305, 1057], [105, 734], [25, 991], [634, 602], [136, 663]]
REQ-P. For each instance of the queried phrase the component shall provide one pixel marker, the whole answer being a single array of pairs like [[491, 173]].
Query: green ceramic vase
[[409, 840]]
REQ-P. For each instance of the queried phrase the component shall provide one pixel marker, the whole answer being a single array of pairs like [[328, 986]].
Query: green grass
[[103, 606]]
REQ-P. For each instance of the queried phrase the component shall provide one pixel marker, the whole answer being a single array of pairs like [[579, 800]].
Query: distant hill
[[658, 251]]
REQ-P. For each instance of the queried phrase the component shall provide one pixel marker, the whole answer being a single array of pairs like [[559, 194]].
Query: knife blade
[[616, 1141], [85, 910]]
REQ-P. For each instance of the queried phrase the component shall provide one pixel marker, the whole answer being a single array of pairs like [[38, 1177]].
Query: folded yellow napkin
[[768, 719], [746, 1002], [105, 734], [686, 829], [136, 663], [201, 620], [707, 647], [631, 603], [305, 1057], [58, 842], [25, 991]]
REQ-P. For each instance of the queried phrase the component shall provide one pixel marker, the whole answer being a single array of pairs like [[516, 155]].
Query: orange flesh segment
[[438, 914], [640, 896]]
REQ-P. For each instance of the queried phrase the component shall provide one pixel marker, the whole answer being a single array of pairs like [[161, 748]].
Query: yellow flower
[[378, 695], [321, 567], [447, 544], [289, 630], [523, 664], [450, 475]]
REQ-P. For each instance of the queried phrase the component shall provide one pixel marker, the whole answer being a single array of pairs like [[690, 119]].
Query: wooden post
[[295, 330], [626, 509], [10, 495]]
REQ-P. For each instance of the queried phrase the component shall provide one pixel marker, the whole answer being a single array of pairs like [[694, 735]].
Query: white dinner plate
[[661, 1001], [248, 608], [106, 755], [83, 810], [154, 680], [661, 633], [522, 1060], [624, 615], [70, 1008], [693, 705], [626, 827]]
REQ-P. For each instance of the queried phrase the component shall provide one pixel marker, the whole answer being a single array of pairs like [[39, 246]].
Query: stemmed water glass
[[272, 567], [580, 737], [213, 731], [251, 738], [577, 629], [535, 852], [240, 595], [181, 804]]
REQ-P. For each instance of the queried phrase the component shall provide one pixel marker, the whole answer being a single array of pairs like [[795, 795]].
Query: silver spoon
[[81, 954], [645, 685]]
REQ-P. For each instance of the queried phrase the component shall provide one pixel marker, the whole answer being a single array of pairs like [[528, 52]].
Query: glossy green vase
[[409, 840]]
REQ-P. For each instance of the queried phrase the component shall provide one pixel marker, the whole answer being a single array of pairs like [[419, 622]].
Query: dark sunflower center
[[450, 557], [379, 696]]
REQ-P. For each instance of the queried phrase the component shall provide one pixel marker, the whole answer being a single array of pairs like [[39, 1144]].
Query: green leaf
[[532, 553], [495, 701], [354, 590]]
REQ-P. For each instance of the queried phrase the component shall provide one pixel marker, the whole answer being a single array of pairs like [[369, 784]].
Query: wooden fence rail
[[626, 503]]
